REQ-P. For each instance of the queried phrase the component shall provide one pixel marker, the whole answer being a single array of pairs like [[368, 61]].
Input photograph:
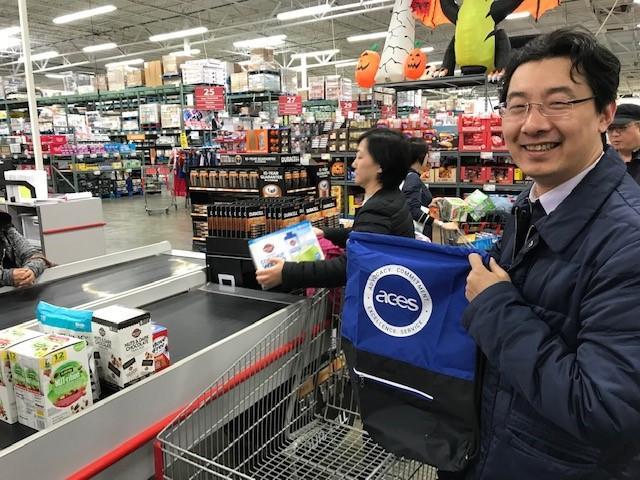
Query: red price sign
[[290, 105], [388, 111], [348, 106], [209, 98]]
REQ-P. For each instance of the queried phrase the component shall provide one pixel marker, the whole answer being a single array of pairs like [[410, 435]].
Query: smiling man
[[556, 313]]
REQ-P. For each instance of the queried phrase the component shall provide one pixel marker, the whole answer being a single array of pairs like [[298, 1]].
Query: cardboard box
[[124, 342], [316, 88], [472, 174], [171, 64], [261, 82], [116, 78], [153, 73], [135, 77], [170, 116], [239, 82], [150, 114], [8, 339], [101, 82], [51, 379], [161, 356]]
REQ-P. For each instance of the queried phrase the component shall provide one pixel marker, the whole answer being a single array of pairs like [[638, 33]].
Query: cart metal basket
[[283, 411], [157, 185]]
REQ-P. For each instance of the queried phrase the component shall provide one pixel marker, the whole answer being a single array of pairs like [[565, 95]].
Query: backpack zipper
[[389, 383]]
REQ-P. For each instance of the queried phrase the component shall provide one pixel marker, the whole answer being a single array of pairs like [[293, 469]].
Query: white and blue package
[[73, 323]]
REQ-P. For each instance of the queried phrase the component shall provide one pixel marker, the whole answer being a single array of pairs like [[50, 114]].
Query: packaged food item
[[72, 323], [51, 379], [124, 342], [479, 204], [8, 339], [452, 209], [161, 356]]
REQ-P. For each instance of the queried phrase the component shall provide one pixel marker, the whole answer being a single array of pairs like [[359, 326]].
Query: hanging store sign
[[209, 98], [348, 106], [289, 105]]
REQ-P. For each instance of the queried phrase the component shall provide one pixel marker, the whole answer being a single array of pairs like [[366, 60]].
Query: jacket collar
[[562, 226]]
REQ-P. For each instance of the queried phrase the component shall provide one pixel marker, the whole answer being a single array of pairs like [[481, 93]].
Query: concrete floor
[[129, 226]]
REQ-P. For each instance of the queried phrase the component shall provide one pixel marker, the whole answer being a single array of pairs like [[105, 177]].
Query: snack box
[[124, 342], [161, 356], [8, 339], [453, 209], [51, 379]]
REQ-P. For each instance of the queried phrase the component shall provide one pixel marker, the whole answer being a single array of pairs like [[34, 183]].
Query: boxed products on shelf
[[116, 78], [149, 114], [239, 82], [316, 88], [171, 64], [135, 77], [262, 59], [153, 73], [123, 338], [161, 356], [289, 81], [170, 115], [473, 174], [338, 88], [206, 71], [51, 379], [500, 174], [264, 82], [8, 339]]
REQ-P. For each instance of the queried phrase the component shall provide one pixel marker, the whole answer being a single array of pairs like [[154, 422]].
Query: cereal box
[[9, 338], [160, 346], [124, 341], [51, 379]]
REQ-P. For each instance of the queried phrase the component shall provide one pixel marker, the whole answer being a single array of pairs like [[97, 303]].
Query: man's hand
[[318, 233], [482, 278], [271, 277], [23, 277]]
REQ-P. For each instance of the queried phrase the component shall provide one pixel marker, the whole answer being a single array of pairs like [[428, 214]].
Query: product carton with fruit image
[[51, 379], [124, 343], [9, 338]]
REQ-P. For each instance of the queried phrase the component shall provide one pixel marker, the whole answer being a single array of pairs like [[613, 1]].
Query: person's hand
[[271, 277], [482, 277], [23, 277], [317, 232], [434, 208]]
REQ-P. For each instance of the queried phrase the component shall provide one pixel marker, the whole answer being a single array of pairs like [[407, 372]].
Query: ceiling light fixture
[[9, 42], [368, 3], [100, 48], [41, 56], [92, 12], [272, 41], [58, 76], [179, 34], [427, 49], [346, 63], [366, 36], [123, 63], [517, 15], [315, 54], [7, 32], [304, 12], [183, 53]]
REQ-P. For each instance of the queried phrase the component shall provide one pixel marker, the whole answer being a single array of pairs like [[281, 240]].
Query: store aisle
[[129, 226]]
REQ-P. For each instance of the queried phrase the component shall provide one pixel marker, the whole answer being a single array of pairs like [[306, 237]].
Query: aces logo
[[397, 301]]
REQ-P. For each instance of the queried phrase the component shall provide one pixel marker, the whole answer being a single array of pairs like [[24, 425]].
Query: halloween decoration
[[478, 46], [415, 63], [367, 67], [399, 42]]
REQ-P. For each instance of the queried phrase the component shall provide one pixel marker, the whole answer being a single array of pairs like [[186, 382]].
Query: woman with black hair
[[416, 192], [380, 166]]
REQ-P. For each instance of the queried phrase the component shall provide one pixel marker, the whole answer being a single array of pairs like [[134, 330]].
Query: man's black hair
[[390, 150], [597, 64], [418, 150]]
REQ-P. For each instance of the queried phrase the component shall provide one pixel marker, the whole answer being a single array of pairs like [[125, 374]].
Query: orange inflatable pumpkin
[[367, 67], [415, 64]]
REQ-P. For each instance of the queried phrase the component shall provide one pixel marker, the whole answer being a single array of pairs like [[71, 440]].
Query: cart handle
[[137, 441]]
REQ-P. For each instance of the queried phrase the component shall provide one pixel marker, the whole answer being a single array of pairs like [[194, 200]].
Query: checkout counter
[[210, 326]]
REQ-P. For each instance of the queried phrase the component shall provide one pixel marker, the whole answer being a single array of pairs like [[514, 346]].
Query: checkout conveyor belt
[[195, 320], [18, 306]]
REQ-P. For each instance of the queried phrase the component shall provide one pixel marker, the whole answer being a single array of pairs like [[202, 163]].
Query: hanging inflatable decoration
[[398, 44], [478, 46], [415, 63], [367, 67]]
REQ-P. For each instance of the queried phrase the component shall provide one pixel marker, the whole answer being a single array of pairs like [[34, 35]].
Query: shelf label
[[289, 105], [184, 142], [486, 155], [347, 107], [209, 98], [489, 187]]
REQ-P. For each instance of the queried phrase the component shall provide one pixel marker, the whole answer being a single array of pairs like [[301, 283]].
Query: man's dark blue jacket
[[561, 386]]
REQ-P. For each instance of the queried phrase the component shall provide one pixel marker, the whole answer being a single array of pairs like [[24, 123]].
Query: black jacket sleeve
[[412, 190], [337, 236]]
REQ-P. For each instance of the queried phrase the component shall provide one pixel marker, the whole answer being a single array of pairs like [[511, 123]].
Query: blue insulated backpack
[[411, 362]]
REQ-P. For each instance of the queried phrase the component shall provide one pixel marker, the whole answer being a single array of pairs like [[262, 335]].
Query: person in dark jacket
[[556, 313], [624, 133], [380, 166], [416, 192], [21, 263]]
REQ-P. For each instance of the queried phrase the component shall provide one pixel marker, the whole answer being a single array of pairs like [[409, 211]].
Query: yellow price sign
[[59, 357], [184, 142]]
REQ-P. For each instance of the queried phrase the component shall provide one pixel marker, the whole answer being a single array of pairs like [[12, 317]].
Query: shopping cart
[[157, 186], [284, 411]]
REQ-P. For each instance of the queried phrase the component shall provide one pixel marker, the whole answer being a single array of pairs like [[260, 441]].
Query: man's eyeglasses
[[517, 110], [619, 128]]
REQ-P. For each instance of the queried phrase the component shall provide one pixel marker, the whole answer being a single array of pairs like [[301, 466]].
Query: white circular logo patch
[[396, 301]]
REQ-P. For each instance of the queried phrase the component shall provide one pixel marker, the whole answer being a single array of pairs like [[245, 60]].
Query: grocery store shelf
[[230, 190], [198, 215], [253, 97], [487, 187], [299, 190], [199, 239]]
